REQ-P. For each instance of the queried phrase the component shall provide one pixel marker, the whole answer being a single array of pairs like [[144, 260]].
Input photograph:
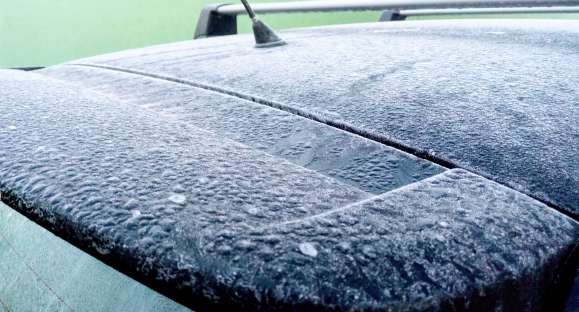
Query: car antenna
[[265, 36]]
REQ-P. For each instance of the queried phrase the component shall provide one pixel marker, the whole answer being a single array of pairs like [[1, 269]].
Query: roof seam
[[341, 125], [354, 205]]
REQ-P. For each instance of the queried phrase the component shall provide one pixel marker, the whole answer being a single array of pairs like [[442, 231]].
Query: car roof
[[329, 173], [498, 98]]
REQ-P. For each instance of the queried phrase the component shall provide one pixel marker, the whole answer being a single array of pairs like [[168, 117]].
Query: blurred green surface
[[41, 272], [40, 32]]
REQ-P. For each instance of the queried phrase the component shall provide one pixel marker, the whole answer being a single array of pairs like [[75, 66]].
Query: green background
[[41, 272], [42, 32]]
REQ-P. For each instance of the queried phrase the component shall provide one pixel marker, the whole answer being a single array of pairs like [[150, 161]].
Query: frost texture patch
[[362, 163], [504, 106], [217, 223]]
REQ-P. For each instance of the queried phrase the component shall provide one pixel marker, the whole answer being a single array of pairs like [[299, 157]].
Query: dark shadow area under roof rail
[[31, 68]]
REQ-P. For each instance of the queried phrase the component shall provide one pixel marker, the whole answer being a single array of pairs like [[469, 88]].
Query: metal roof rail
[[221, 19], [433, 12]]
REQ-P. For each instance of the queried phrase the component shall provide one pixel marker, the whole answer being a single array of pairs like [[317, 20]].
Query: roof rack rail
[[432, 12], [221, 19]]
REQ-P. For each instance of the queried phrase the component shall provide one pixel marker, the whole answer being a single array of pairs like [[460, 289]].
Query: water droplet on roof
[[369, 252], [252, 210], [308, 249], [178, 188], [246, 244], [178, 199]]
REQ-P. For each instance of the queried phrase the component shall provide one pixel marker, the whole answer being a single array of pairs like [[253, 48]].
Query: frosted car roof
[[495, 97], [220, 197]]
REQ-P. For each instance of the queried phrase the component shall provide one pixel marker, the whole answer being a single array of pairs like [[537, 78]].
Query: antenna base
[[265, 37]]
